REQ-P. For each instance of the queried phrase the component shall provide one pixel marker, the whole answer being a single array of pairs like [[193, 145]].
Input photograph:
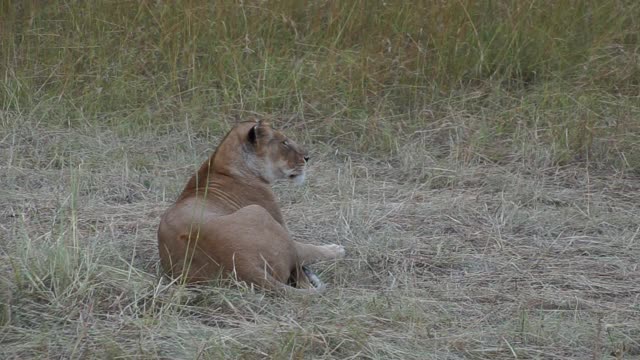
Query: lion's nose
[[306, 158]]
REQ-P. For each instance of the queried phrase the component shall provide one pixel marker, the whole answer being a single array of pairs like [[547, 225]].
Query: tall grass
[[369, 69]]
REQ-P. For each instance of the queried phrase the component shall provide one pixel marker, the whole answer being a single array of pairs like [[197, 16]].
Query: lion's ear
[[261, 130], [253, 134]]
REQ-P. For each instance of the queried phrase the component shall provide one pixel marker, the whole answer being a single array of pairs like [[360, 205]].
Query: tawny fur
[[227, 221]]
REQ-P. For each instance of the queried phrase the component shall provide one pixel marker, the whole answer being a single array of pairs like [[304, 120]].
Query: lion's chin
[[297, 179]]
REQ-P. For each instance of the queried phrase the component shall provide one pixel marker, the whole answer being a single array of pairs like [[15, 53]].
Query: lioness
[[227, 221]]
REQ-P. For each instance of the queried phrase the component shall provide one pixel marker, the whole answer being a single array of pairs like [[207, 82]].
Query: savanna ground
[[478, 160]]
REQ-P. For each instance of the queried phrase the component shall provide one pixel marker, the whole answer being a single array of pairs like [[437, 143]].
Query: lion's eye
[[285, 143]]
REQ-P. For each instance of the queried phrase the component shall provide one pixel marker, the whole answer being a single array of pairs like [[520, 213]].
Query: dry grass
[[446, 259], [478, 159]]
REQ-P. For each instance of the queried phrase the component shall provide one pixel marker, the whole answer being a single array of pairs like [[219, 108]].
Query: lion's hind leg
[[255, 248]]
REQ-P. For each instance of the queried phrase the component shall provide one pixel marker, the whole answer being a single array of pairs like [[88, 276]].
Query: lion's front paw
[[338, 250]]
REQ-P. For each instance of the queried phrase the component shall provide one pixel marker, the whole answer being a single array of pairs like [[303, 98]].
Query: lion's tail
[[316, 286], [314, 280]]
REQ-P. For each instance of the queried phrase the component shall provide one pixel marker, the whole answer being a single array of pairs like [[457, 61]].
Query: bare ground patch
[[445, 259]]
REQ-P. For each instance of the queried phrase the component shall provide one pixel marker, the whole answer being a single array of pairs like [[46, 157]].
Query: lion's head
[[275, 155], [254, 148]]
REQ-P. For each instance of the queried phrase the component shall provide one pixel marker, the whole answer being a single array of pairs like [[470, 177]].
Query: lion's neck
[[219, 183]]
